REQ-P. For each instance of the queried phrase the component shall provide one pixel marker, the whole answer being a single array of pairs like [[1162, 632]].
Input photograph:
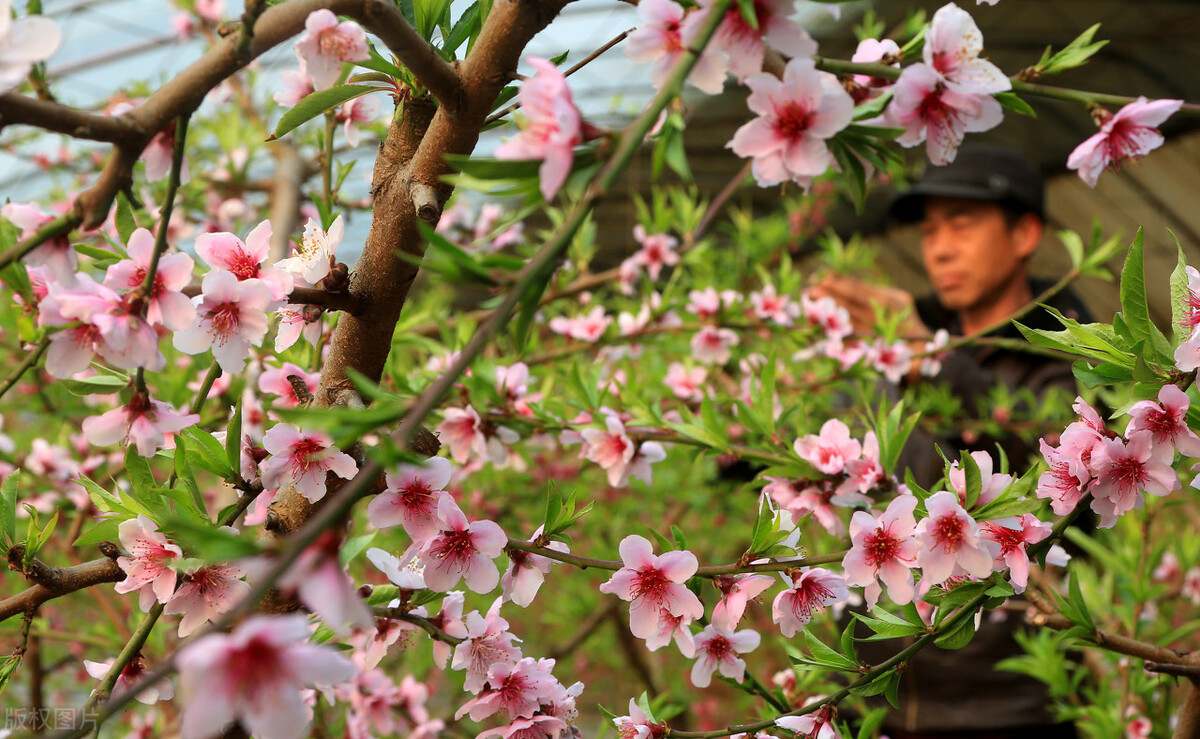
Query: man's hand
[[860, 298]]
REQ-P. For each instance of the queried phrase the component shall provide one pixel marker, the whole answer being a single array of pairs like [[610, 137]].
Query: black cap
[[979, 172]]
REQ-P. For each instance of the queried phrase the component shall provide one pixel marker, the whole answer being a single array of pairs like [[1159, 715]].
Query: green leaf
[[107, 502], [233, 439], [973, 478], [8, 506], [138, 469], [1013, 102], [210, 543], [872, 108], [467, 25], [95, 385], [1133, 291], [206, 452], [185, 475], [446, 258], [1180, 308], [355, 546], [1083, 615], [958, 637], [428, 13], [1074, 54], [1101, 375], [100, 255], [531, 299], [887, 626], [853, 174], [824, 655], [316, 103], [125, 222], [106, 530]]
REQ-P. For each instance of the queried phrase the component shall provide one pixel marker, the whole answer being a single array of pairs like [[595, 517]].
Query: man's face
[[970, 253]]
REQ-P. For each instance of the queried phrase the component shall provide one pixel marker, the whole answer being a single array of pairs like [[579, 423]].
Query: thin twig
[[51, 229], [30, 360], [575, 68], [429, 627]]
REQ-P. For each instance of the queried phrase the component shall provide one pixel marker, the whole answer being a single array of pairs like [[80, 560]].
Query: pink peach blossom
[[317, 252], [206, 594], [1165, 421], [231, 317], [588, 327], [462, 550], [296, 85], [361, 110], [831, 449], [1125, 470], [931, 112], [56, 254], [412, 497], [322, 585], [717, 649], [1014, 535], [686, 384], [274, 381], [527, 571], [486, 641], [949, 542], [658, 250], [303, 458], [148, 566], [294, 323], [129, 678], [144, 422], [808, 589], [738, 591], [665, 31], [167, 304], [653, 584], [744, 45], [23, 41], [552, 129], [515, 689], [796, 115], [884, 549], [1129, 134], [255, 675], [327, 43], [952, 48], [712, 345], [246, 260]]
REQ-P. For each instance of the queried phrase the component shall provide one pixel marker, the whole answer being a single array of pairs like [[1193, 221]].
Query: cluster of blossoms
[[1116, 471], [937, 101], [446, 549], [120, 320]]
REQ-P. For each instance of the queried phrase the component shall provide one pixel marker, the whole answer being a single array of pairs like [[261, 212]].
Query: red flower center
[[948, 532], [881, 547], [225, 319], [792, 120], [241, 264]]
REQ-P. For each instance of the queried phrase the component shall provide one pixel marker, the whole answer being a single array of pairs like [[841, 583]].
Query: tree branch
[[58, 581], [22, 109], [59, 226]]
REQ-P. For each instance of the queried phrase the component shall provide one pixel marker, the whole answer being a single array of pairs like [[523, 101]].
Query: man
[[981, 220]]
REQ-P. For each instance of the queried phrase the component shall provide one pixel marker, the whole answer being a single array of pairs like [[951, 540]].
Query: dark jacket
[[943, 690]]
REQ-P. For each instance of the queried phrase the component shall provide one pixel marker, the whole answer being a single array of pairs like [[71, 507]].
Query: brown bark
[[52, 582], [409, 168]]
